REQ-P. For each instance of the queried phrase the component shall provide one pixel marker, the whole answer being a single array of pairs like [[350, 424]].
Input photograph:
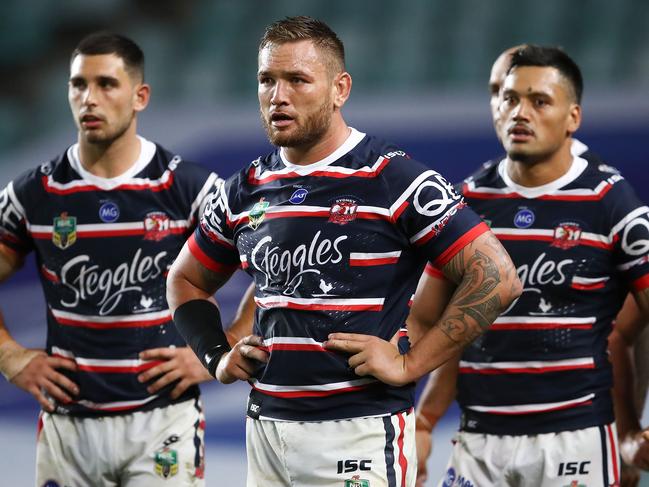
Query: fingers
[[347, 342], [44, 401], [164, 353], [253, 353], [62, 381], [57, 393], [181, 387], [164, 381], [159, 369], [61, 363], [253, 340]]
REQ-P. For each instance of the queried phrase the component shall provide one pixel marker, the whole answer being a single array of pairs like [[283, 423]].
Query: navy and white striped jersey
[[580, 244], [334, 246], [103, 247]]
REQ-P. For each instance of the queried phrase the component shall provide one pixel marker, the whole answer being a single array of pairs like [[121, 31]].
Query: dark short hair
[[109, 43], [553, 57], [299, 28]]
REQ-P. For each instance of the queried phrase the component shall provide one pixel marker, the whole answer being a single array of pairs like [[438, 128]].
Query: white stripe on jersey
[[291, 341], [332, 386], [106, 227], [411, 189], [547, 233], [643, 210], [589, 280], [626, 266], [323, 210], [374, 255], [213, 183], [14, 199], [532, 408], [104, 365], [601, 187], [154, 316], [534, 365], [546, 319], [117, 405], [287, 301]]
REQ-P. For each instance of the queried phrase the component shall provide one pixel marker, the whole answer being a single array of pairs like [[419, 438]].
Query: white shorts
[[163, 446], [586, 457], [359, 452]]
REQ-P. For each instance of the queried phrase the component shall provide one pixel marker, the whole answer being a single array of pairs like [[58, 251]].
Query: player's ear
[[342, 87], [141, 96], [574, 118]]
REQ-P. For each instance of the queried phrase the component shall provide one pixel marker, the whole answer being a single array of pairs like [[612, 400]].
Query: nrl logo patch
[[357, 481], [64, 231], [343, 211], [566, 236], [157, 225], [258, 213], [166, 462]]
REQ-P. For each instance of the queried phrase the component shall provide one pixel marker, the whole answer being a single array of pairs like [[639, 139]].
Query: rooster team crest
[[157, 225], [257, 214], [357, 481], [343, 211], [64, 230], [566, 235]]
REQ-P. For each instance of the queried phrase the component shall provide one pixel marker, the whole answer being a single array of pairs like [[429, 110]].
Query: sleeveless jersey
[[103, 247], [334, 246], [580, 244]]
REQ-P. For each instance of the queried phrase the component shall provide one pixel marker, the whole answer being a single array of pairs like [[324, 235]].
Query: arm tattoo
[[476, 302]]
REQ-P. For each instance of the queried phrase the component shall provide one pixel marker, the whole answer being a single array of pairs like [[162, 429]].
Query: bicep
[[10, 262], [633, 316], [189, 279]]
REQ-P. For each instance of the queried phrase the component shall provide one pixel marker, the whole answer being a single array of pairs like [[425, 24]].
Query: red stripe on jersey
[[363, 215], [122, 187], [524, 370], [434, 272], [551, 197], [539, 326], [108, 369], [313, 393], [403, 462], [460, 243], [49, 275], [611, 440], [557, 408], [323, 307], [372, 262], [641, 283], [400, 210], [324, 173], [111, 324], [109, 233], [588, 287], [207, 261]]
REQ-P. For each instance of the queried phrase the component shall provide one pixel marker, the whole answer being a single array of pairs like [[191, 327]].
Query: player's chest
[[317, 222]]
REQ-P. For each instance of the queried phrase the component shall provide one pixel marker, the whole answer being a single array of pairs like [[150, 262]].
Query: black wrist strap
[[199, 323]]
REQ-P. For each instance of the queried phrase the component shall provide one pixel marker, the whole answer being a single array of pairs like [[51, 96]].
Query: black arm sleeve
[[199, 323]]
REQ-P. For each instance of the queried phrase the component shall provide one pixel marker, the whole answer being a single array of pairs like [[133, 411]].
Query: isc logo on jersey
[[524, 218]]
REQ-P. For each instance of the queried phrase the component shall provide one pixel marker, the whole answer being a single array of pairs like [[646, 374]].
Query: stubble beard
[[311, 131]]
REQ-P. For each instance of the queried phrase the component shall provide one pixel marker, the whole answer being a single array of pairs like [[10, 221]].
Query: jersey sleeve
[[434, 216], [212, 242], [629, 234], [14, 234]]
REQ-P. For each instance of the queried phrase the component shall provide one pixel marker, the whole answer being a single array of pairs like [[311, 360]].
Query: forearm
[[487, 286], [626, 416], [244, 319], [438, 394]]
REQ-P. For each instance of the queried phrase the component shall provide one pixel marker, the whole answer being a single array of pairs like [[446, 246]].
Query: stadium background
[[420, 70]]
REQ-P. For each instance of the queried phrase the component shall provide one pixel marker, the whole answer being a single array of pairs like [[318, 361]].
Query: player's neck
[[533, 174], [113, 159], [326, 145]]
